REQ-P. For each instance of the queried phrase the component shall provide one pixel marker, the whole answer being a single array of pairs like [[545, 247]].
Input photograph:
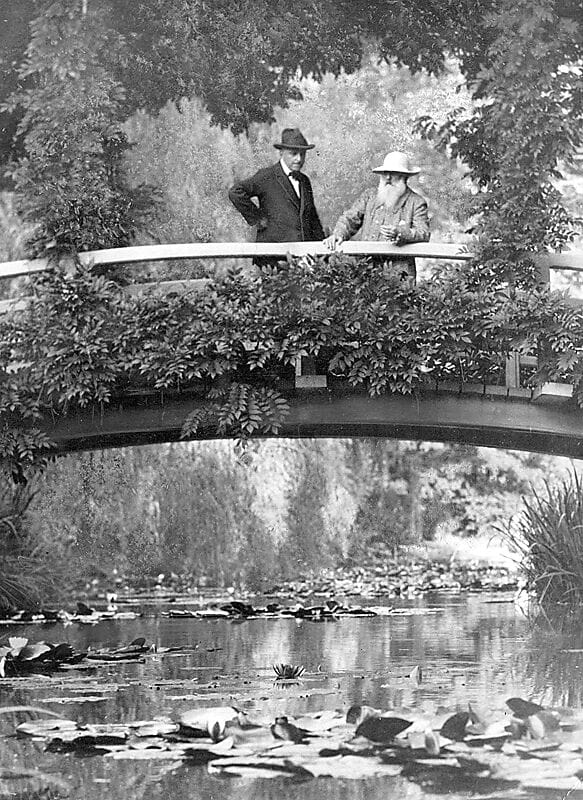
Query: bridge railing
[[568, 260]]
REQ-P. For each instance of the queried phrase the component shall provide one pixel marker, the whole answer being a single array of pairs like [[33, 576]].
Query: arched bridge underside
[[547, 422]]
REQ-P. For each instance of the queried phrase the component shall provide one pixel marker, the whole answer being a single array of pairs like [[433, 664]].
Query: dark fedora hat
[[292, 139]]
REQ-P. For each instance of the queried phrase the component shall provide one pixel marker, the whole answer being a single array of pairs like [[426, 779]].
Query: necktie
[[295, 174]]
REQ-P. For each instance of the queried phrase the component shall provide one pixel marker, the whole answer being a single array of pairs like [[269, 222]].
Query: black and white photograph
[[291, 399]]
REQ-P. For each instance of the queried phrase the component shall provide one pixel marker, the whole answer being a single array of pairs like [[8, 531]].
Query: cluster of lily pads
[[236, 609], [528, 747], [382, 575], [401, 579], [83, 614], [19, 657]]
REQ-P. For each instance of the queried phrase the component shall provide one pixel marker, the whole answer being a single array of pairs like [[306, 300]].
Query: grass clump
[[548, 536]]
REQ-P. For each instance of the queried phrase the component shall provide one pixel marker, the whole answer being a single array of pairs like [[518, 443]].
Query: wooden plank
[[513, 370], [553, 392], [490, 421], [311, 382], [493, 390], [127, 255], [449, 387], [441, 250], [516, 393], [572, 259], [11, 269], [202, 250], [12, 305], [473, 388], [569, 259], [528, 361]]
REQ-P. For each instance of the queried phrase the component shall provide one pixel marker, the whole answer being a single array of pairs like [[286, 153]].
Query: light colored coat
[[367, 215]]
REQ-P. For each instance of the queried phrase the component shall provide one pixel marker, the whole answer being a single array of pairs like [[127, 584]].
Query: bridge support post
[[310, 381], [513, 370]]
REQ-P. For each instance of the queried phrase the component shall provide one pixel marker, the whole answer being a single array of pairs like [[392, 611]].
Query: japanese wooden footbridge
[[544, 418]]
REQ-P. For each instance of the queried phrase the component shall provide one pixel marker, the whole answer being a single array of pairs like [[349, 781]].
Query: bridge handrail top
[[570, 259], [127, 255]]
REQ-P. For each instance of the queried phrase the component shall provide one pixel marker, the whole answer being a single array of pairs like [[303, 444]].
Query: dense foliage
[[82, 340], [70, 178], [525, 124]]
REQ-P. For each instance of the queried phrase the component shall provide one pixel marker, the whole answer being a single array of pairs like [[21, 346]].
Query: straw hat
[[397, 162]]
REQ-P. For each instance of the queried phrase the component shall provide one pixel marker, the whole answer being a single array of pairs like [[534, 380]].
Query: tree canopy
[[521, 60]]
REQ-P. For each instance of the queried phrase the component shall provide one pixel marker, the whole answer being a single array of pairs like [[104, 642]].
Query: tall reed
[[548, 536]]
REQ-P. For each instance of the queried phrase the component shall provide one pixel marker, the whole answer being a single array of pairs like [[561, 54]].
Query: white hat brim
[[402, 171]]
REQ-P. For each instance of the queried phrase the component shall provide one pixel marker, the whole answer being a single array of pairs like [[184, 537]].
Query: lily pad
[[257, 767], [357, 714], [382, 729], [204, 720], [455, 726], [45, 727], [523, 708]]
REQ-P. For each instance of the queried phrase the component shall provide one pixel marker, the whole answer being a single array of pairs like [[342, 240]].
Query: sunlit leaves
[[69, 180], [526, 123]]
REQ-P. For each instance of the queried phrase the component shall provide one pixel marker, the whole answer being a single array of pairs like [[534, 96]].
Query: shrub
[[548, 535]]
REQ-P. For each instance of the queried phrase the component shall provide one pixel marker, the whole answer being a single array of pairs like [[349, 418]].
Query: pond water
[[476, 648]]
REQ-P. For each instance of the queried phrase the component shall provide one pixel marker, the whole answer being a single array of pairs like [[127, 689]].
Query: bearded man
[[391, 212]]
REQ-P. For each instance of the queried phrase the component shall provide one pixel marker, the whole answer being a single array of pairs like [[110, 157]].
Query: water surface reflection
[[475, 648]]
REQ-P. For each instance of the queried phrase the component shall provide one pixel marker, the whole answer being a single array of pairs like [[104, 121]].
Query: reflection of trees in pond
[[554, 664]]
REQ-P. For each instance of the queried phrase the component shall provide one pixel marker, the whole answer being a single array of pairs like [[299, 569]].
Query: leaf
[[431, 742], [204, 720], [34, 651], [321, 722], [351, 767], [357, 714], [454, 727], [535, 726], [416, 675], [16, 644], [382, 729], [523, 708], [45, 727], [257, 767]]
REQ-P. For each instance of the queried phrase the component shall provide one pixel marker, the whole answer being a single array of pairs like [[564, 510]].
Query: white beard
[[390, 195]]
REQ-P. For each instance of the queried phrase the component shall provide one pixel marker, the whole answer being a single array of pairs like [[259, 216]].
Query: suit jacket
[[280, 215]]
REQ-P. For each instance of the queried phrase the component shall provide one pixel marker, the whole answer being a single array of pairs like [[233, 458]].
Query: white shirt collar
[[285, 168]]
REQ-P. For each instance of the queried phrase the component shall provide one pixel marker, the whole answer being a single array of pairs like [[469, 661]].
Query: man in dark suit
[[284, 210]]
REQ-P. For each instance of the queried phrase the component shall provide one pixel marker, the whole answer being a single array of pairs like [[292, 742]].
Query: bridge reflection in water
[[544, 419]]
